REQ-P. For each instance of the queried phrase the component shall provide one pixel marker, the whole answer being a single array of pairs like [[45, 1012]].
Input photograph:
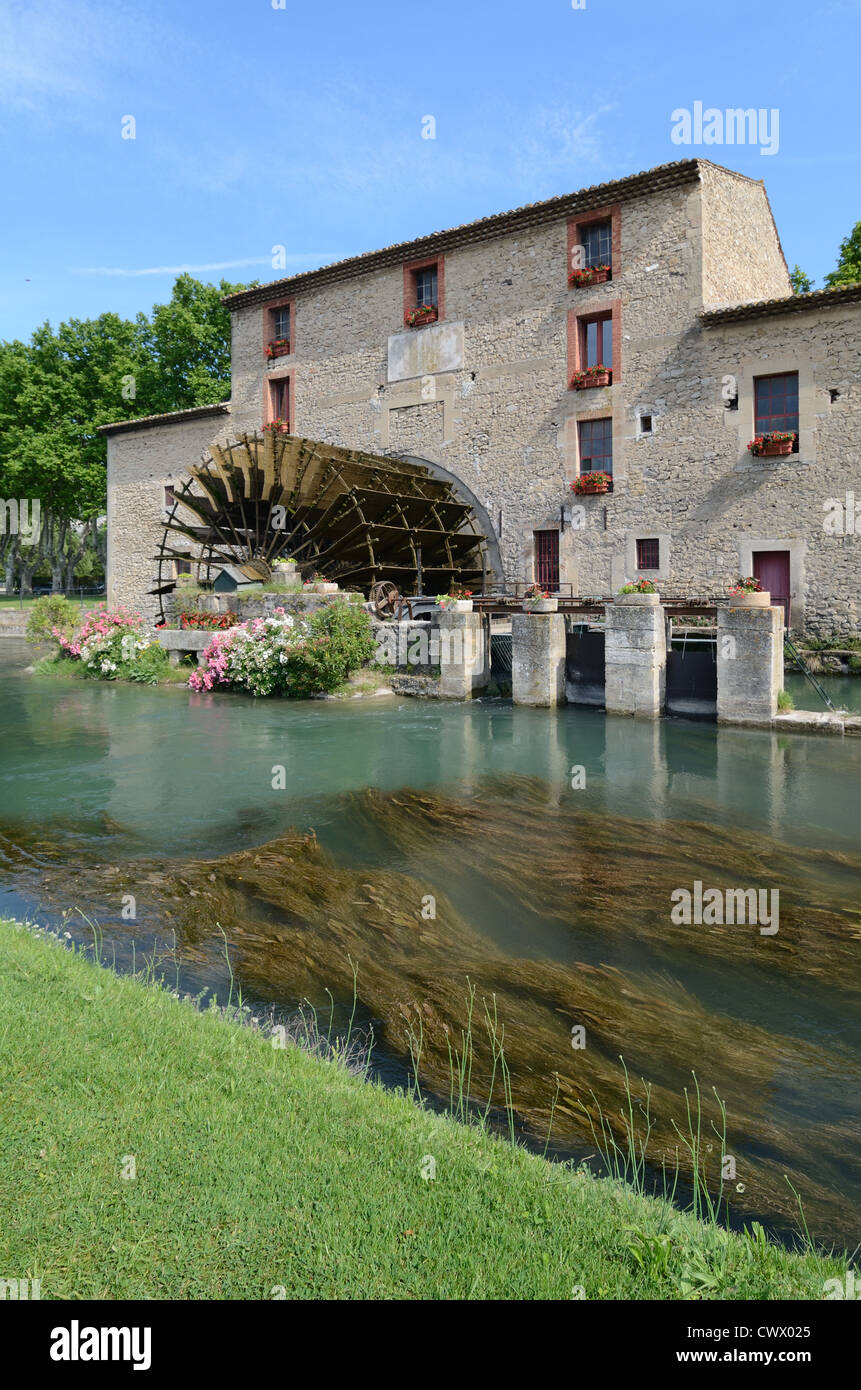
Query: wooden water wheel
[[355, 518]]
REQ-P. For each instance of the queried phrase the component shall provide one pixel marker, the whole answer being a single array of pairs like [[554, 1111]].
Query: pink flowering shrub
[[110, 645]]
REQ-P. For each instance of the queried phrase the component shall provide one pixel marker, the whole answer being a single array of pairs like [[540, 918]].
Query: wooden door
[[771, 568]]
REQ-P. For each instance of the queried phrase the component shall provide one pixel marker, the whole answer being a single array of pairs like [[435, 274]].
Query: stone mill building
[[472, 352]]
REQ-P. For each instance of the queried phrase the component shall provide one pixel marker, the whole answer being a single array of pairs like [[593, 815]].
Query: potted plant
[[319, 584], [596, 481], [276, 426], [458, 599], [598, 375], [538, 600], [589, 275], [278, 347], [749, 593], [423, 313], [772, 442], [641, 592]]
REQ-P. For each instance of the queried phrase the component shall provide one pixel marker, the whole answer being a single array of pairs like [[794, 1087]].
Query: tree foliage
[[56, 390], [801, 283], [848, 270]]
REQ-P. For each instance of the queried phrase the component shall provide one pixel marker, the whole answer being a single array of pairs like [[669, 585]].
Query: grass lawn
[[259, 1169], [88, 601]]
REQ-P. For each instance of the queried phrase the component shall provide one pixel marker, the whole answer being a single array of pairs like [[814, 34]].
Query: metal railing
[[799, 659]]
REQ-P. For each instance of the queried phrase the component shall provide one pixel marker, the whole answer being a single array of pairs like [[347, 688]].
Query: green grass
[[87, 602], [261, 1168]]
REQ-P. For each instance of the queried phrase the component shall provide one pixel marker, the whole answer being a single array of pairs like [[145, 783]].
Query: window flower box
[[598, 375], [771, 443], [279, 347], [589, 275], [424, 313], [594, 482], [276, 426]]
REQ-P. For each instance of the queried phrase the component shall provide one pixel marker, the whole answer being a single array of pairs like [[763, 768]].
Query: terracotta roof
[[787, 304], [143, 422], [532, 215]]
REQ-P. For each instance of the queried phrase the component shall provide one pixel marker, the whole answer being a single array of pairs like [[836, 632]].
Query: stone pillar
[[464, 654], [537, 658], [749, 662], [635, 656]]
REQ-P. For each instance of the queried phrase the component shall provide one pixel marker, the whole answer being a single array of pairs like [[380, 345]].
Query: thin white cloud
[[318, 257], [51, 54]]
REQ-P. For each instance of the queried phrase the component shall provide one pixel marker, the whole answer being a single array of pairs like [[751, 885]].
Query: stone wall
[[742, 255], [141, 462], [489, 401]]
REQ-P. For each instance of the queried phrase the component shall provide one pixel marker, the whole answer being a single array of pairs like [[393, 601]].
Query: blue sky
[[302, 126]]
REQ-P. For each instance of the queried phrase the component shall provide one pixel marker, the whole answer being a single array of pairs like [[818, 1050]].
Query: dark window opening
[[547, 559], [649, 554], [596, 342], [776, 404], [645, 424], [279, 399], [596, 446], [182, 567], [169, 496], [426, 283], [596, 240]]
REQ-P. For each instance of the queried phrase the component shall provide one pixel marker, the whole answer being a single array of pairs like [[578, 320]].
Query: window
[[181, 567], [277, 328], [649, 554], [426, 286], [169, 496], [279, 399], [776, 403], [596, 342], [596, 446], [596, 240], [645, 424]]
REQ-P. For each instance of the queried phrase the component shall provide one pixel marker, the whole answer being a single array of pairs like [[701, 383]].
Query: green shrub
[[785, 702], [855, 664], [52, 611]]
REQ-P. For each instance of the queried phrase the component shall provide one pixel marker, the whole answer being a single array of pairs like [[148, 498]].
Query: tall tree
[[186, 348], [56, 390]]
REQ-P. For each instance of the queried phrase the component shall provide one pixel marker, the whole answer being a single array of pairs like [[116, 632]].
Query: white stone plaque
[[425, 351]]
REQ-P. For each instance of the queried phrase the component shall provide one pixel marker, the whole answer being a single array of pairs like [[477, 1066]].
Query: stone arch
[[466, 495]]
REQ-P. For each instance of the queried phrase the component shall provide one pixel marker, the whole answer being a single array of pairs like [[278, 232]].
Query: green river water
[[550, 895]]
